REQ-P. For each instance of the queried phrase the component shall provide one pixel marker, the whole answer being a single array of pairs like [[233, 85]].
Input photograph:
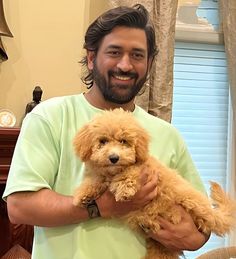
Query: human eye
[[138, 55], [113, 53]]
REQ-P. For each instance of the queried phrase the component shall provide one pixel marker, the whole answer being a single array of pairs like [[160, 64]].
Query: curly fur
[[114, 148]]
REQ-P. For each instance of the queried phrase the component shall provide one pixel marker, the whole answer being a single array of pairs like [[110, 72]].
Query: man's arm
[[43, 208], [47, 208]]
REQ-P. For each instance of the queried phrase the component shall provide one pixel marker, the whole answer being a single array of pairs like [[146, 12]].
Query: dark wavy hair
[[133, 17]]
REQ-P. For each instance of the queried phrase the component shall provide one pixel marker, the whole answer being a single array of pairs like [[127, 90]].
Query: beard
[[108, 89]]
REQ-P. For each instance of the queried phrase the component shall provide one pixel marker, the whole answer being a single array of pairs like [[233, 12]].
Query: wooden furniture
[[8, 138], [11, 236]]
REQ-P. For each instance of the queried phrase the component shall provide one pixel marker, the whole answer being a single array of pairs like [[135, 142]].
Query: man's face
[[121, 64]]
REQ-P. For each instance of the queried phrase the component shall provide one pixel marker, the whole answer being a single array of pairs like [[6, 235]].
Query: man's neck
[[96, 99]]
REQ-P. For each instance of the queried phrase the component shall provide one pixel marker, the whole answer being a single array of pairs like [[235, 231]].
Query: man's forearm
[[44, 208], [47, 208]]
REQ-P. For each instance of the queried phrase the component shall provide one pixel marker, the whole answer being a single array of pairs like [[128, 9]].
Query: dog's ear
[[83, 143], [142, 143]]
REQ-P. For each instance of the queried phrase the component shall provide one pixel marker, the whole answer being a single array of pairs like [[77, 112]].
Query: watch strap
[[93, 209]]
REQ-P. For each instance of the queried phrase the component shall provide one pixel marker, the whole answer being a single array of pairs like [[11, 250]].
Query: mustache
[[122, 73]]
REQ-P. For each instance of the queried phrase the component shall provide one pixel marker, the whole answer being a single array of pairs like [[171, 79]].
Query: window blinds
[[200, 112]]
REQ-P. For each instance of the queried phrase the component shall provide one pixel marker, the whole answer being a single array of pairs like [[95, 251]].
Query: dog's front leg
[[125, 185], [89, 190]]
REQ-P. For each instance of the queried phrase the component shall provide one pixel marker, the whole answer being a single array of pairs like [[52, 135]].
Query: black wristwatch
[[93, 210]]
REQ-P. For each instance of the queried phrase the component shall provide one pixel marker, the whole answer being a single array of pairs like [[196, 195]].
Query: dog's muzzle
[[114, 158]]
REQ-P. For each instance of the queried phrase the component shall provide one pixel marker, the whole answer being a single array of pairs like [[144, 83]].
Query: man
[[44, 173]]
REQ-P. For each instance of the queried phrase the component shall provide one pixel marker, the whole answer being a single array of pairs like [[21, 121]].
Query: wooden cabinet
[[8, 138], [10, 234]]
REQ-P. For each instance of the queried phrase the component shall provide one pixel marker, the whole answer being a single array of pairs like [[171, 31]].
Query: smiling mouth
[[123, 78]]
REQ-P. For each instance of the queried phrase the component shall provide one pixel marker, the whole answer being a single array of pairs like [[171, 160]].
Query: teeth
[[123, 78]]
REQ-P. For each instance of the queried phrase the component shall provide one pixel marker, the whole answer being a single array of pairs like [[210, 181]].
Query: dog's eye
[[124, 142], [103, 141]]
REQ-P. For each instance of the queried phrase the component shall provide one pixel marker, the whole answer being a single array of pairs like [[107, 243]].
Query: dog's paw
[[148, 225], [82, 201], [86, 200], [123, 191], [125, 195]]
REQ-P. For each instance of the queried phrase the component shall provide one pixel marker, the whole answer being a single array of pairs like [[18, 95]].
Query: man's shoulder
[[59, 106], [57, 102], [57, 110], [149, 120], [159, 129]]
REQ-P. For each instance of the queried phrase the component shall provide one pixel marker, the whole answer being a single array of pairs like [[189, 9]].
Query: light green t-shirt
[[44, 158]]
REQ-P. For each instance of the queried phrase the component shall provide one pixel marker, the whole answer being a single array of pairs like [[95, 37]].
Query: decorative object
[[7, 118], [37, 94], [4, 31], [3, 54]]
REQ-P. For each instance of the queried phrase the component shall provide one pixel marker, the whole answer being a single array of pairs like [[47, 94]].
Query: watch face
[[7, 118]]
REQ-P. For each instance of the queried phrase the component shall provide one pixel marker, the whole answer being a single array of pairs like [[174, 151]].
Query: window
[[200, 112]]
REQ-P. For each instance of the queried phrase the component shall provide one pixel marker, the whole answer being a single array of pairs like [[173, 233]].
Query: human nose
[[125, 64]]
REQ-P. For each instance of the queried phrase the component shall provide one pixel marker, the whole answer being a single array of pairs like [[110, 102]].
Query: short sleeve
[[187, 169], [35, 160]]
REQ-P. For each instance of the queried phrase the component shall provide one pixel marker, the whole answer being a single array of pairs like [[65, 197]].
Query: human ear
[[90, 59]]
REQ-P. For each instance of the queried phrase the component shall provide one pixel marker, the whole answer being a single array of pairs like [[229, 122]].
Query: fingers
[[147, 176], [184, 214], [165, 224], [165, 238], [168, 235], [144, 176], [185, 220], [149, 181], [150, 194], [148, 190]]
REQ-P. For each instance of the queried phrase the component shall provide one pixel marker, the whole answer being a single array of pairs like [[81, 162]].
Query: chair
[[220, 253]]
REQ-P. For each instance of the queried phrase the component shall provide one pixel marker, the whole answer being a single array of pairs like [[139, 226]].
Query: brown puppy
[[114, 148]]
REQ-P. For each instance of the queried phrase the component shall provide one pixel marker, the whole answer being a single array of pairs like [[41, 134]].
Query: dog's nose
[[114, 158]]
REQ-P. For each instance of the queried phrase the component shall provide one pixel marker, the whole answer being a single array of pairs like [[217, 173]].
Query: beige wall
[[45, 50], [97, 7]]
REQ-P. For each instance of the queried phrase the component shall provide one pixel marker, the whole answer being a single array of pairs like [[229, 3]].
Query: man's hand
[[183, 236], [110, 208]]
